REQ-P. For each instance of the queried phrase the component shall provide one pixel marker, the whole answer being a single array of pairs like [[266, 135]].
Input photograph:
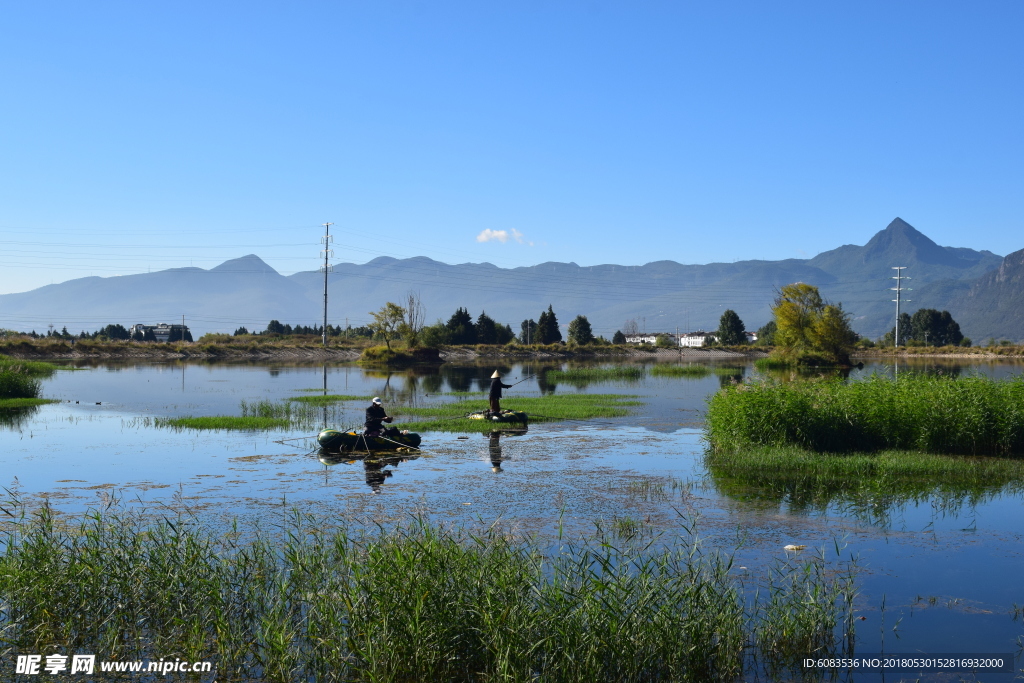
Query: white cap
[[495, 375], [376, 399]]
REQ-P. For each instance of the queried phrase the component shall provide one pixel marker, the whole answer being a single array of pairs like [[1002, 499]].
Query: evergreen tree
[[731, 331], [486, 329], [274, 327], [547, 327], [240, 331], [618, 337], [460, 328], [580, 331]]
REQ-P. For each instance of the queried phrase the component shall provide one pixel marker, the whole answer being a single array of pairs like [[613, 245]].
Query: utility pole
[[327, 252], [899, 277]]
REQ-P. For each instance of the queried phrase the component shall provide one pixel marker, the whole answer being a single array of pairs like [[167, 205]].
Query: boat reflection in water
[[494, 451], [374, 465]]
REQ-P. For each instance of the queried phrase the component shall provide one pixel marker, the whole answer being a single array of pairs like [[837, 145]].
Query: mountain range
[[983, 291]]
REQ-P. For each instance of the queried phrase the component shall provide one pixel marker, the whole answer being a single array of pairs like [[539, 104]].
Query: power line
[[328, 252], [899, 277]]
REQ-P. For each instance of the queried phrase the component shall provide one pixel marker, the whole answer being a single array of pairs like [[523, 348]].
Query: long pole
[[899, 277], [327, 268]]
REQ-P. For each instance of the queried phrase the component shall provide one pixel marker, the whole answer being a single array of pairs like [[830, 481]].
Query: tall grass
[[927, 413], [409, 603]]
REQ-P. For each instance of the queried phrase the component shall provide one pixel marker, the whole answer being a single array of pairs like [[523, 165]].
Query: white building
[[695, 339], [688, 339]]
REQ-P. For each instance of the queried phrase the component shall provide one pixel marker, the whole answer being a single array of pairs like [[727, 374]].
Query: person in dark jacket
[[375, 416], [496, 387]]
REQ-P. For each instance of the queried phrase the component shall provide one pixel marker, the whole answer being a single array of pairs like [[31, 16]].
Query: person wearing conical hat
[[495, 396]]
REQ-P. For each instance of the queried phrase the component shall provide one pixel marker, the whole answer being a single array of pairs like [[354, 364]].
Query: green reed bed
[[926, 413], [20, 379], [412, 602]]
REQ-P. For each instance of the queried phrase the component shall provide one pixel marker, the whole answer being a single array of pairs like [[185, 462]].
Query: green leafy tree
[[433, 336], [461, 329], [528, 332], [504, 334], [580, 331], [386, 322], [906, 331], [766, 334], [663, 341], [618, 337], [731, 331], [936, 328], [809, 329]]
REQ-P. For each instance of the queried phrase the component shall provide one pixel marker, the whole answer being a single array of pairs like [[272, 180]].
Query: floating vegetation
[[604, 374], [244, 423], [412, 602], [329, 398], [451, 416], [681, 371], [18, 403], [695, 370], [926, 413], [869, 486]]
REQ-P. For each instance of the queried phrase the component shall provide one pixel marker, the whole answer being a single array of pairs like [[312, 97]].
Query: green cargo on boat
[[333, 440]]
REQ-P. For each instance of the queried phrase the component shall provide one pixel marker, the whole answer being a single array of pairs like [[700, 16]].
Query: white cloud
[[488, 235]]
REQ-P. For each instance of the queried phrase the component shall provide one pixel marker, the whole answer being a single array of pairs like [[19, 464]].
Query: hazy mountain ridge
[[661, 295]]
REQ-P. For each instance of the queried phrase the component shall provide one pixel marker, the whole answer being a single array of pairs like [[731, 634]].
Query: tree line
[[112, 332], [394, 321]]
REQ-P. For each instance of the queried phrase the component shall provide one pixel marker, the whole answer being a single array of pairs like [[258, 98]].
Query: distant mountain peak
[[250, 263]]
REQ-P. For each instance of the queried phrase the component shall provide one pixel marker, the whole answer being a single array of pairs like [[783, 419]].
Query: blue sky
[[143, 136]]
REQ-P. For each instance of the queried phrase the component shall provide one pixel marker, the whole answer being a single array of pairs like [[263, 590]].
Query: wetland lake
[[938, 564]]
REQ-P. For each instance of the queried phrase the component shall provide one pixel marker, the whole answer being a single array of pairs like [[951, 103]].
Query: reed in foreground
[[926, 413], [413, 602]]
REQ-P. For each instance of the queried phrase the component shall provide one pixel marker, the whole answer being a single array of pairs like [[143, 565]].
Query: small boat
[[504, 416], [333, 440]]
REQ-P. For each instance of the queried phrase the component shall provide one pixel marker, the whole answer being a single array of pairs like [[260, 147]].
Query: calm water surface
[[937, 574]]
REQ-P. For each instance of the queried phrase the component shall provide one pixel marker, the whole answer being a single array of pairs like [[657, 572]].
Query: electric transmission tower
[[326, 268], [899, 277]]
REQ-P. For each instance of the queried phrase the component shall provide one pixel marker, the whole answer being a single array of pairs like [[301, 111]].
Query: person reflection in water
[[494, 450], [375, 473]]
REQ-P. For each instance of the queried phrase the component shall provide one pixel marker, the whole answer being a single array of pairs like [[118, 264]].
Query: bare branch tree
[[630, 327], [414, 318]]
